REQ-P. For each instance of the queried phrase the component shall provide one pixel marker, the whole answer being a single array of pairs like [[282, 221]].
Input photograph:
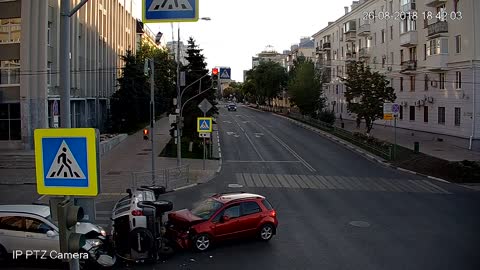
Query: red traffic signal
[[215, 71], [145, 134]]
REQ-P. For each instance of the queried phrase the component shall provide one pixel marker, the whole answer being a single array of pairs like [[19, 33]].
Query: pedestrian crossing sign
[[67, 161], [204, 124]]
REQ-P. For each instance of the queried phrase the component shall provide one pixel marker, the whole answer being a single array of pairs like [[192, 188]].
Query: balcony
[[435, 3], [327, 46], [350, 56], [365, 52], [437, 62], [364, 30], [408, 7], [319, 49], [435, 29], [410, 65], [350, 36], [409, 39]]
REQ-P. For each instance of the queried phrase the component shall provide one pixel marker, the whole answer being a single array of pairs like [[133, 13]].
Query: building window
[[383, 62], [412, 83], [441, 115], [10, 72], [412, 113], [458, 113], [426, 82], [401, 112], [401, 84], [390, 7], [458, 80], [407, 25], [49, 73], [383, 36], [10, 30], [442, 81], [375, 38], [10, 123], [437, 46], [424, 51], [391, 32], [425, 114], [458, 44], [49, 33]]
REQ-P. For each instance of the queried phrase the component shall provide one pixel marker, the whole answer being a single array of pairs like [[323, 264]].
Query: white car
[[30, 227]]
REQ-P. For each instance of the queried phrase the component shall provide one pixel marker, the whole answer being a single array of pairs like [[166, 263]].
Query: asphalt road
[[336, 209]]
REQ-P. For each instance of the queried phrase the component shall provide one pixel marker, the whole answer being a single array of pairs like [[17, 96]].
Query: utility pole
[[65, 15], [179, 104], [152, 113]]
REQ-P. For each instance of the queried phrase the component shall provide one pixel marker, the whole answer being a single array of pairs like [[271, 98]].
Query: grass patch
[[170, 150]]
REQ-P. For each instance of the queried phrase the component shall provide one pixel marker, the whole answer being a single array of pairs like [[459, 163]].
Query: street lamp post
[[179, 96]]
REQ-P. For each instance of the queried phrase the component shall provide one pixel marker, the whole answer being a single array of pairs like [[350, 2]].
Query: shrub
[[327, 117]]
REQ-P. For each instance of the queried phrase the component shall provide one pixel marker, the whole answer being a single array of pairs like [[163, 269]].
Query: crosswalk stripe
[[372, 183], [308, 181], [316, 182], [282, 181], [256, 180], [291, 182], [334, 182], [248, 179], [299, 180], [273, 180], [359, 183], [408, 187], [103, 212], [436, 187], [419, 186], [240, 179], [352, 182], [344, 182], [265, 180], [391, 184], [324, 181], [102, 218]]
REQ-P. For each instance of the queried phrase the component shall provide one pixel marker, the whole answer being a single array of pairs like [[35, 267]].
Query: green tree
[[366, 91], [196, 68], [305, 88], [129, 105], [268, 79]]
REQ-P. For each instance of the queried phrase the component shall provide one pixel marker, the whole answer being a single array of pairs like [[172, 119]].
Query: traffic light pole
[[179, 104], [152, 114]]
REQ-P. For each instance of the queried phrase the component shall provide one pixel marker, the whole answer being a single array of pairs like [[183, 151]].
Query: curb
[[358, 150]]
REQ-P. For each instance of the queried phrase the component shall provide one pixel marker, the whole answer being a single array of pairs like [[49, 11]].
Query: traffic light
[[215, 78], [68, 216], [173, 130], [145, 134]]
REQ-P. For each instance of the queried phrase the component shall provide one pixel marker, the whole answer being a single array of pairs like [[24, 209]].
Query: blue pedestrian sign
[[225, 73], [204, 124], [155, 11], [67, 161]]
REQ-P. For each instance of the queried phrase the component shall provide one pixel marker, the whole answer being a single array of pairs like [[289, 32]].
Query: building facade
[[146, 36], [101, 31], [428, 49], [173, 48], [306, 48], [269, 54]]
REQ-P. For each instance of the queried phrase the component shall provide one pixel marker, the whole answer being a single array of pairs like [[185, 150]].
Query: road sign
[[155, 11], [205, 106], [204, 124], [225, 73], [388, 111], [56, 111], [204, 135], [395, 109], [67, 161]]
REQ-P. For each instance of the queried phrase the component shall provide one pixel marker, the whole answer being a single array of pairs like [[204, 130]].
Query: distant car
[[30, 227], [222, 217], [232, 107]]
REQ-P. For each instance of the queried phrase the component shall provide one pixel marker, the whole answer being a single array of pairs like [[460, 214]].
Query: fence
[[170, 178]]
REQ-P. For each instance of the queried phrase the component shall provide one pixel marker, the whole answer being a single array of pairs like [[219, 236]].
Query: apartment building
[[269, 54], [305, 48], [173, 48], [428, 49], [101, 31], [146, 36]]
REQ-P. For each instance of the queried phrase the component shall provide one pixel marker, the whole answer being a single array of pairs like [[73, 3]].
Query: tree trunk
[[368, 124]]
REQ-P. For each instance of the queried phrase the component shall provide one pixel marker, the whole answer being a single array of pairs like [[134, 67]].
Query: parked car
[[232, 107], [221, 217], [30, 227]]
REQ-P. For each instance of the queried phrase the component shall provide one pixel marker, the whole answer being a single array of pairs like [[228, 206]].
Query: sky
[[241, 29]]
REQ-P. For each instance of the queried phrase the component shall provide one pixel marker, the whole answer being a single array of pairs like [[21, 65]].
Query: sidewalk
[[406, 138]]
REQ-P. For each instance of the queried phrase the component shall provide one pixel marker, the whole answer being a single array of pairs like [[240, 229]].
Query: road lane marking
[[334, 182], [324, 181], [406, 186], [103, 218], [240, 179], [358, 182], [342, 182], [299, 180], [256, 180], [421, 187], [316, 182], [274, 180], [103, 212], [282, 181], [352, 183], [248, 180], [308, 181], [435, 186], [248, 138], [265, 180], [390, 184], [291, 182]]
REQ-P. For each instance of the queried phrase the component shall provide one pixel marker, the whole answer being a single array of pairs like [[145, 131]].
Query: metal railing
[[170, 178]]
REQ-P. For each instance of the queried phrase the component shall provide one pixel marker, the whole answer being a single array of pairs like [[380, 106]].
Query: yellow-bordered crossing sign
[[204, 124]]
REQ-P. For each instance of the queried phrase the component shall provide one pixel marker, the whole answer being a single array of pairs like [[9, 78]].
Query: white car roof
[[39, 210]]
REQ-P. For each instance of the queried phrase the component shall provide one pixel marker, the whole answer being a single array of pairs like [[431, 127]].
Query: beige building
[[428, 49], [146, 36], [305, 48], [269, 54], [101, 31]]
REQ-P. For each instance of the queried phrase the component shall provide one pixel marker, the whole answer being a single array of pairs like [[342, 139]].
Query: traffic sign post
[[204, 125], [158, 11], [67, 161], [391, 112]]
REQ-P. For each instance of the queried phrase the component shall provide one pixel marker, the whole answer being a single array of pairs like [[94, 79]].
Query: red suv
[[221, 217]]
